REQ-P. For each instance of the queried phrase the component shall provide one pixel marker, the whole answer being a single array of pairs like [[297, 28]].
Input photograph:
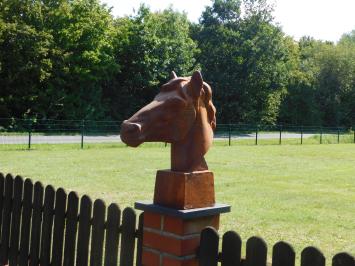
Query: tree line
[[71, 59]]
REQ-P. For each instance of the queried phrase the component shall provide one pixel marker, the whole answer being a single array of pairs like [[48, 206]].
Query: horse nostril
[[131, 127], [128, 128]]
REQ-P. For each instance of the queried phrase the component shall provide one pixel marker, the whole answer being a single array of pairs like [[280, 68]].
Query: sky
[[321, 19]]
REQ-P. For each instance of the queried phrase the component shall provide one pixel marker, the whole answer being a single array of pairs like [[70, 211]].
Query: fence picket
[[84, 231], [231, 249], [2, 180], [112, 235], [311, 256], [71, 229], [139, 240], [46, 239], [36, 224], [127, 237], [208, 252], [15, 221], [98, 231], [343, 259], [59, 223], [283, 254], [4, 249], [26, 222], [256, 252]]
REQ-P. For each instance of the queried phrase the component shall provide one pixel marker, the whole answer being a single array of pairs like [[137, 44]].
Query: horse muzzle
[[131, 133]]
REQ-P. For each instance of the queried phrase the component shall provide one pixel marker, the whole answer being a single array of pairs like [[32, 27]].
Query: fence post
[[29, 134], [338, 135], [280, 134], [82, 133], [301, 135], [229, 134], [256, 134], [321, 136]]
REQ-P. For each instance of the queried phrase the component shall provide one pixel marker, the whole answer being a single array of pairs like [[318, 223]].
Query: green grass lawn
[[304, 195]]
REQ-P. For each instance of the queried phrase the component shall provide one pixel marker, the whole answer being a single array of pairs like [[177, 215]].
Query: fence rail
[[44, 226], [28, 133], [283, 253]]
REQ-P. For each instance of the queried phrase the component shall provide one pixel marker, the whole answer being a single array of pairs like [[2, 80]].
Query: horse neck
[[187, 155]]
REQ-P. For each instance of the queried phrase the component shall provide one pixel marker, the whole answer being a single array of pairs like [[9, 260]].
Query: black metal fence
[[283, 134], [27, 133]]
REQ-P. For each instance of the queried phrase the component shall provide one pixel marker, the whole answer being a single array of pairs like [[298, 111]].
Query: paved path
[[61, 139], [275, 135]]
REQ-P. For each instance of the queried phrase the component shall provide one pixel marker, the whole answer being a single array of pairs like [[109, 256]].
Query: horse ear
[[196, 84], [173, 75]]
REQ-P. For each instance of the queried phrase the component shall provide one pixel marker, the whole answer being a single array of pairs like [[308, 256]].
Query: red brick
[[170, 244], [152, 220], [184, 227], [169, 261], [189, 246], [150, 258], [174, 225]]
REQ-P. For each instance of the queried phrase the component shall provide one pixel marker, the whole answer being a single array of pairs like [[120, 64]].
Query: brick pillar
[[171, 235]]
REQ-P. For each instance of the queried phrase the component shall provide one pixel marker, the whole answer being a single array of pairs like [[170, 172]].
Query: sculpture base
[[183, 191], [172, 237]]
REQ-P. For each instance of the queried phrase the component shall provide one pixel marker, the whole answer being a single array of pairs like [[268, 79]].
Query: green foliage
[[55, 58], [247, 65], [71, 59], [148, 47], [322, 88], [299, 106]]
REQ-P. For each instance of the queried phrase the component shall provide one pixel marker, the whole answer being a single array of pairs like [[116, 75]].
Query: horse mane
[[211, 110]]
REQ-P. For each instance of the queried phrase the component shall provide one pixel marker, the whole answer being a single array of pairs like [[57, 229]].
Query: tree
[[299, 105], [55, 58], [336, 82], [244, 58], [24, 51], [321, 91], [148, 47]]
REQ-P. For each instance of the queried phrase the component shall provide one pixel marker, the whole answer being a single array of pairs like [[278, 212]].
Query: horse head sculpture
[[182, 114]]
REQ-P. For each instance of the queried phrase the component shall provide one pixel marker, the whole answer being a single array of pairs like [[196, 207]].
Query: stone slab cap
[[217, 208], [181, 190]]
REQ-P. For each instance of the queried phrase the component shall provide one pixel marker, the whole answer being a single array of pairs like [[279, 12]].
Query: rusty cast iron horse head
[[182, 114]]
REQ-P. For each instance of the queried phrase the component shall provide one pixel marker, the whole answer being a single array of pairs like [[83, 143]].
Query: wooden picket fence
[[44, 226], [256, 252]]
